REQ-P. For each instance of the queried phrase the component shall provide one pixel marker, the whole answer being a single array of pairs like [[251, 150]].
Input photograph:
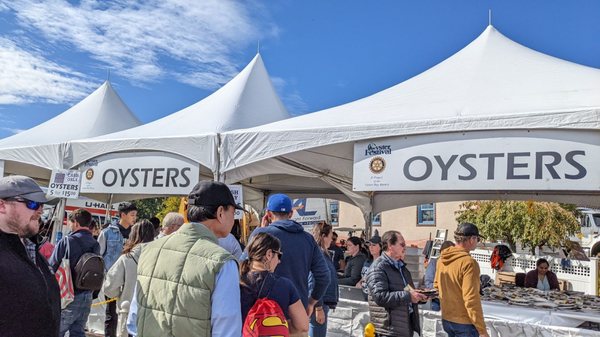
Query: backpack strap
[[269, 274]]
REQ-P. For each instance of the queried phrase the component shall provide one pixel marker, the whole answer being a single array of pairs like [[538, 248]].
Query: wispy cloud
[[13, 131], [26, 76], [137, 39], [292, 99]]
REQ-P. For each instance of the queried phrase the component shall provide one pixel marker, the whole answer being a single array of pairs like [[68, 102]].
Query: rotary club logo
[[89, 174], [377, 165]]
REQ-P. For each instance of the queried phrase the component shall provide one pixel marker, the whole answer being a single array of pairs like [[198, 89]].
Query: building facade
[[416, 223]]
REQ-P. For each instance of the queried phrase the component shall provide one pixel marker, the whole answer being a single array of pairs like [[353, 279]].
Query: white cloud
[[26, 77], [13, 131], [140, 40], [291, 98]]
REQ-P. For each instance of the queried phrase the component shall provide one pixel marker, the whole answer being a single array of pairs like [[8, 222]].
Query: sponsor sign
[[238, 196], [496, 163], [139, 173], [64, 184], [309, 211]]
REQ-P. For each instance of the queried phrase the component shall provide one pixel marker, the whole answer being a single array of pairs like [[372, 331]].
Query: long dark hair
[[141, 232], [358, 242], [257, 250], [319, 231]]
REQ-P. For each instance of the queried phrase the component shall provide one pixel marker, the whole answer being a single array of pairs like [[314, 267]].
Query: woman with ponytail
[[257, 280], [323, 234], [121, 277]]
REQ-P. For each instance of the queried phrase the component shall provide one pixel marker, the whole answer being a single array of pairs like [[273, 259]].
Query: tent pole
[[217, 175], [369, 220], [57, 220], [107, 216]]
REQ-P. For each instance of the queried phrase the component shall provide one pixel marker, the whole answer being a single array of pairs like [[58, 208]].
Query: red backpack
[[265, 318]]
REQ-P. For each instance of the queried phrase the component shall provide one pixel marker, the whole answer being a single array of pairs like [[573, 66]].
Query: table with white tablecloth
[[502, 319], [513, 313]]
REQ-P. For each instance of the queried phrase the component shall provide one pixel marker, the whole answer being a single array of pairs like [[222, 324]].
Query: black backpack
[[89, 272]]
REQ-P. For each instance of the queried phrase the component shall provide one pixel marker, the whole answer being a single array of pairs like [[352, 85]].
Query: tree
[[170, 204], [148, 208], [533, 224]]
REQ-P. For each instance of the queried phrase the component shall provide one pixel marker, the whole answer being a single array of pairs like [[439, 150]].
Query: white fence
[[581, 275]]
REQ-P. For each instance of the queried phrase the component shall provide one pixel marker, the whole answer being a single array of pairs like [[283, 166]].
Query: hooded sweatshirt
[[457, 280], [301, 255]]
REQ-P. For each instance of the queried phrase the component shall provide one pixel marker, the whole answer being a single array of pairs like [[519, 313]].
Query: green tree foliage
[[170, 204], [148, 208], [533, 224]]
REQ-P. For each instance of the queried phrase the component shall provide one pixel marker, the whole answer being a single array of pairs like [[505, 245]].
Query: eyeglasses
[[478, 238], [32, 205], [279, 253]]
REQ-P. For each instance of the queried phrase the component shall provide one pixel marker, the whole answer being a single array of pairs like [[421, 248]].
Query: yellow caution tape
[[105, 302]]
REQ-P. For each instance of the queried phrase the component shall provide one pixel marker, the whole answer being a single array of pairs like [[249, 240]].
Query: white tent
[[37, 151], [249, 99], [491, 85]]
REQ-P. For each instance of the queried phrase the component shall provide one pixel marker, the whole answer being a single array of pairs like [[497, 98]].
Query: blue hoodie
[[301, 255], [80, 242]]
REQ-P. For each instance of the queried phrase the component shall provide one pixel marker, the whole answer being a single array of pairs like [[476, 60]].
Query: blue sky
[[165, 55]]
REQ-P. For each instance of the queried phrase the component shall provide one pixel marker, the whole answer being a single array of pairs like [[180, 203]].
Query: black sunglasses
[[32, 205], [279, 253]]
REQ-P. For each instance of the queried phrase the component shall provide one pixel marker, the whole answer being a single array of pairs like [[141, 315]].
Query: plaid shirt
[[31, 249]]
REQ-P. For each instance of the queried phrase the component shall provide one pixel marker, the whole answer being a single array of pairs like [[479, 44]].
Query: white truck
[[589, 239]]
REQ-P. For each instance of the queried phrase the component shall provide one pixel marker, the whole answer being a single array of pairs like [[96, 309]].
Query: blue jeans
[[459, 330], [435, 304], [74, 317], [316, 329]]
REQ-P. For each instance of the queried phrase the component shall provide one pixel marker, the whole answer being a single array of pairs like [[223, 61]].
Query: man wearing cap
[[392, 299], [187, 284], [301, 255], [457, 281], [29, 291]]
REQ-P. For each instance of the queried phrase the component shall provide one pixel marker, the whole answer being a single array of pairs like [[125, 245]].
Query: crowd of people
[[190, 279]]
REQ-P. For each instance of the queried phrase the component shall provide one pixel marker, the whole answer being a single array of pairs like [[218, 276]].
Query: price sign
[[64, 184], [238, 196]]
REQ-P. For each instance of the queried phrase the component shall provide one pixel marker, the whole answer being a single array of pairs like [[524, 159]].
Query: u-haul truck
[[97, 208]]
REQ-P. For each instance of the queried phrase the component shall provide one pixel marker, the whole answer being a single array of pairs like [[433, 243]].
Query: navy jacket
[[80, 242], [29, 295], [332, 294], [301, 255]]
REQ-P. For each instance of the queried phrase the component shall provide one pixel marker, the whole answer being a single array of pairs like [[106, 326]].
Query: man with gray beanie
[[29, 291]]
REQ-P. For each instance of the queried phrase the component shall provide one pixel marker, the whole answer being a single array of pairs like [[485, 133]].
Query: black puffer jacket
[[29, 295], [388, 302]]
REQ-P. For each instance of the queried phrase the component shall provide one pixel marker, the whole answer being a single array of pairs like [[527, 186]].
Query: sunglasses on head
[[30, 204]]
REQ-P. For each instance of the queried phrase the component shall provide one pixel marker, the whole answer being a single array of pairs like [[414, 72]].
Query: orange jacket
[[457, 280]]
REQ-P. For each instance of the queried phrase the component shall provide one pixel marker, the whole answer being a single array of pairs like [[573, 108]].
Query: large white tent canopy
[[248, 100], [35, 152], [491, 85]]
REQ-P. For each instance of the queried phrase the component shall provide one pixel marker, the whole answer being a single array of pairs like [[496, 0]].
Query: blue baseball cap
[[279, 203]]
